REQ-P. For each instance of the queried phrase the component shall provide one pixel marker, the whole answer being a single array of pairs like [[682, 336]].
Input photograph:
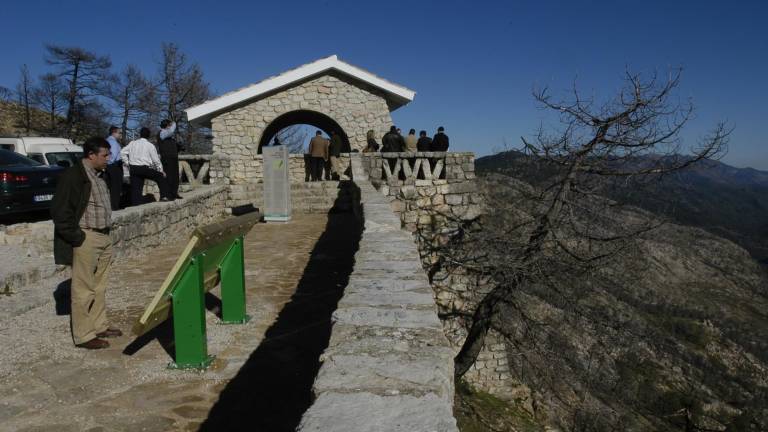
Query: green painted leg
[[189, 318], [233, 285]]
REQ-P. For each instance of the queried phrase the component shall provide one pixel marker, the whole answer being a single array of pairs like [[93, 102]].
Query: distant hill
[[724, 200], [10, 124]]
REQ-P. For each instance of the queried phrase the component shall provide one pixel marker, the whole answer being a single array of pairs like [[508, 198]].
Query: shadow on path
[[274, 387]]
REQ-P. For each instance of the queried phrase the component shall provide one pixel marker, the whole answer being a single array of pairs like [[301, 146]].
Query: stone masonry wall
[[26, 250], [431, 194], [388, 365], [252, 190], [133, 227]]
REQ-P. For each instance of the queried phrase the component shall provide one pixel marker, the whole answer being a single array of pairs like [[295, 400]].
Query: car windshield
[[64, 159], [9, 158]]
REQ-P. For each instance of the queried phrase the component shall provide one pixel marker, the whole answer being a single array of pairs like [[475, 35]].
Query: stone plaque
[[277, 184]]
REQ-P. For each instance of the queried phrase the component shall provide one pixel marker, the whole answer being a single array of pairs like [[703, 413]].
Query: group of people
[[393, 141], [324, 154], [82, 206], [141, 160]]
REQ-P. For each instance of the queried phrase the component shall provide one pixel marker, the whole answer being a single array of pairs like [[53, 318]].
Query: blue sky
[[472, 64]]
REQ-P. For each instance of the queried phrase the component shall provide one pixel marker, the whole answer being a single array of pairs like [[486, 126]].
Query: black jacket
[[440, 142], [334, 148], [167, 148], [424, 144], [392, 142], [69, 204]]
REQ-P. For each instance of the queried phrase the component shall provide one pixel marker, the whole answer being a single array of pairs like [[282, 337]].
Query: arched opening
[[303, 117]]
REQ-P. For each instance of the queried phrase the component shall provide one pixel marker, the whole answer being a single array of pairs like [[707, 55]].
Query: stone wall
[[356, 109], [388, 365], [247, 187], [432, 193], [134, 229]]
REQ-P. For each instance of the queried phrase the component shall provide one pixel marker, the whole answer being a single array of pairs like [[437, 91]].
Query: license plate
[[41, 198]]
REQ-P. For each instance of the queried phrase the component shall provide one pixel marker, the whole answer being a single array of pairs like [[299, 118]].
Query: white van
[[46, 150]]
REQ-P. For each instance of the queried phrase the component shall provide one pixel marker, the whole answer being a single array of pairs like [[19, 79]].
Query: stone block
[[362, 411]]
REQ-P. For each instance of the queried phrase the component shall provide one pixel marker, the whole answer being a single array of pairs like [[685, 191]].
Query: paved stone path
[[48, 385]]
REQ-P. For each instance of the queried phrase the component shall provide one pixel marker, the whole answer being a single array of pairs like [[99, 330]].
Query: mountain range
[[727, 201]]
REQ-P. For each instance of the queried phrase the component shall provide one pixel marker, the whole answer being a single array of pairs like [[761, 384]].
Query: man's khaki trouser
[[90, 262]]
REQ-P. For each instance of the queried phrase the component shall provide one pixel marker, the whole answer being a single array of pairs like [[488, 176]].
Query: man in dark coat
[[424, 144], [318, 152], [334, 154], [169, 156], [440, 141], [392, 141], [82, 213]]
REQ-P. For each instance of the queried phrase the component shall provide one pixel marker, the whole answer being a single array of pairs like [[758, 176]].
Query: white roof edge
[[307, 70]]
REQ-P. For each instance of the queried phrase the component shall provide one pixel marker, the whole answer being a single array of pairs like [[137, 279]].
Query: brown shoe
[[95, 343], [109, 333]]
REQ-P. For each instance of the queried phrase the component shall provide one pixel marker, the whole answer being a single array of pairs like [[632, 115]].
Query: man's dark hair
[[393, 128], [440, 129], [165, 123], [412, 132], [92, 146], [144, 132], [318, 133], [423, 133], [113, 129]]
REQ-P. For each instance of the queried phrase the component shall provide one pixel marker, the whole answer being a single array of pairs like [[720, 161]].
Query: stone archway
[[314, 118], [328, 93]]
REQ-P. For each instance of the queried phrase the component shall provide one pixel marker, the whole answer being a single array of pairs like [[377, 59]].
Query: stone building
[[329, 94]]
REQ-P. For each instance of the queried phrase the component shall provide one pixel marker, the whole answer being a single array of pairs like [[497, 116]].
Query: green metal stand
[[188, 300], [232, 272]]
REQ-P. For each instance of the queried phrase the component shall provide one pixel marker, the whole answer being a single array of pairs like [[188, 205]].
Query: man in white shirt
[[140, 156]]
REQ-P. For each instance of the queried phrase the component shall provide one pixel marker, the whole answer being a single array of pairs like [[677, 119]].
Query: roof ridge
[[333, 62]]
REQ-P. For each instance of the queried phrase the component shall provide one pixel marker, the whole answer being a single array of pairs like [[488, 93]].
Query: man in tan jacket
[[318, 152]]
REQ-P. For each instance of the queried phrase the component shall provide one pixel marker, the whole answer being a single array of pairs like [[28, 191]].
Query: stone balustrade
[[194, 169]]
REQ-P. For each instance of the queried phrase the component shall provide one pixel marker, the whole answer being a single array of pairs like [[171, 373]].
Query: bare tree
[[84, 73], [180, 85], [50, 96], [633, 136], [128, 91], [92, 118], [24, 91], [6, 94]]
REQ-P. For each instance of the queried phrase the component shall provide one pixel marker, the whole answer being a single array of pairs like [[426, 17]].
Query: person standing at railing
[[114, 172], [169, 155], [410, 141], [140, 156], [440, 141], [318, 151], [424, 144], [372, 145], [334, 152], [392, 141]]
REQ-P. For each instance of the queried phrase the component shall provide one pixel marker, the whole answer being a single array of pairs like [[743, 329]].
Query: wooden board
[[214, 240]]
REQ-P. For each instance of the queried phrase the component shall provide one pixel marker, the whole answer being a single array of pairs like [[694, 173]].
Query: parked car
[[46, 150], [25, 184]]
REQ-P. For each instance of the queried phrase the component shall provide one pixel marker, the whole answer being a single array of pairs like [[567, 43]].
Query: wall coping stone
[[388, 365]]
